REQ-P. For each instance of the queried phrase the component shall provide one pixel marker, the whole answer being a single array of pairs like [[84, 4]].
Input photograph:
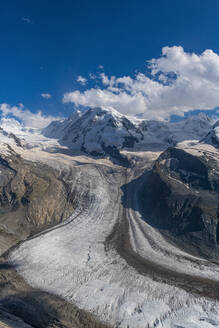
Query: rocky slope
[[32, 197], [181, 198], [212, 137]]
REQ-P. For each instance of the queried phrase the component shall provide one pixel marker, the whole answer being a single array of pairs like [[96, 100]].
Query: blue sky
[[46, 45]]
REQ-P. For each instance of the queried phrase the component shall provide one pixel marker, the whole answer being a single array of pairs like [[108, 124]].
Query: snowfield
[[105, 258]]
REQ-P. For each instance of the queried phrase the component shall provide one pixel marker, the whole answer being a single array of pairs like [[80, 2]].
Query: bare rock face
[[32, 197], [181, 198], [212, 137]]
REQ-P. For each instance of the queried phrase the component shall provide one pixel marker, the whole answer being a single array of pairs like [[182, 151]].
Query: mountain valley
[[110, 221]]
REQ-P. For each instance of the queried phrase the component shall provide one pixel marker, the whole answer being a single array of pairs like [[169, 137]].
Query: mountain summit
[[95, 130], [99, 130]]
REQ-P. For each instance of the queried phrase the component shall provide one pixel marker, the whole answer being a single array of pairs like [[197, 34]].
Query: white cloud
[[46, 95], [82, 80], [92, 76], [97, 97], [26, 20], [108, 81], [179, 82], [29, 119]]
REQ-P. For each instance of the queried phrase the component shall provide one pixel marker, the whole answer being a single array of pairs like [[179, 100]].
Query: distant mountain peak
[[100, 129]]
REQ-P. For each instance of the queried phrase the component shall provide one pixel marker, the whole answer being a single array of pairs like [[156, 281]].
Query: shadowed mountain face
[[181, 197], [213, 136]]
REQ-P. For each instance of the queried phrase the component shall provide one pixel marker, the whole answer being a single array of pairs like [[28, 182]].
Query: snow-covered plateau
[[105, 257]]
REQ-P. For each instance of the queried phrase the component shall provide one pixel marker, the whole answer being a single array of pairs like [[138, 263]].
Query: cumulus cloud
[[178, 82], [29, 119], [46, 95], [82, 80]]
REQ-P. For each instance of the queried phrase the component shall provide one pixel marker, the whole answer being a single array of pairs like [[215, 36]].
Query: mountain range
[[99, 130]]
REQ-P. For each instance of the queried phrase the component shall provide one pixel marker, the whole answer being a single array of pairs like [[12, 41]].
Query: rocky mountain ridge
[[32, 197], [98, 130], [212, 137], [181, 198]]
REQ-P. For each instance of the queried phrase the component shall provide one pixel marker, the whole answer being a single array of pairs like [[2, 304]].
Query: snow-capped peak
[[104, 131], [97, 130], [94, 130]]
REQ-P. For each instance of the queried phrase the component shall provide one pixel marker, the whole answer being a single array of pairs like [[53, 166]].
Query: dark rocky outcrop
[[181, 198], [212, 137]]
